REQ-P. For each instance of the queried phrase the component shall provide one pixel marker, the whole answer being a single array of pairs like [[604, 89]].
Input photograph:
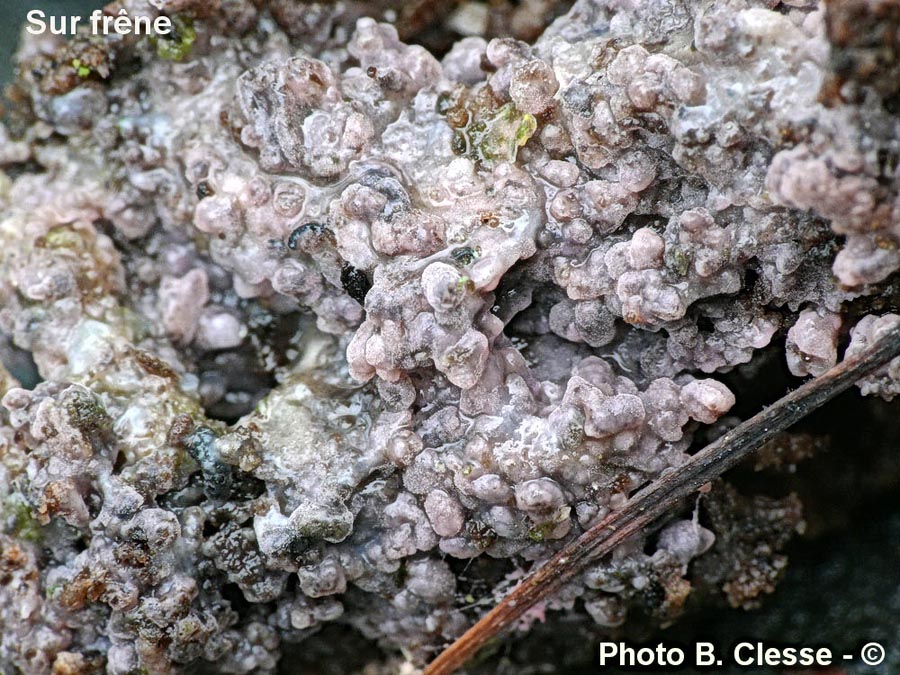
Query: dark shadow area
[[334, 650], [18, 363]]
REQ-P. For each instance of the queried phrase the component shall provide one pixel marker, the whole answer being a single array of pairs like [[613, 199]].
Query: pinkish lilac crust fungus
[[320, 317]]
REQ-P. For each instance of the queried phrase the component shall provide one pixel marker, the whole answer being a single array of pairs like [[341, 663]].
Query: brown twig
[[661, 495]]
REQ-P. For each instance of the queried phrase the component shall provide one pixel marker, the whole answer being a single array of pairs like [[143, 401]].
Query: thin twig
[[661, 495]]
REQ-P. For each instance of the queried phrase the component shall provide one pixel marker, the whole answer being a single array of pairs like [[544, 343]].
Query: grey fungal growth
[[333, 332]]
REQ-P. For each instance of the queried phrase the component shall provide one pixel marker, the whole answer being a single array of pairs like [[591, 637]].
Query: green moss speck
[[499, 137], [86, 414], [17, 513], [63, 237], [176, 46], [483, 131], [539, 533], [80, 68], [527, 127], [677, 260], [328, 530]]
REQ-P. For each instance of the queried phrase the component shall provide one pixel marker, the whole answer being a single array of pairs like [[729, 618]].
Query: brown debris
[[82, 59], [785, 451], [750, 533], [865, 39]]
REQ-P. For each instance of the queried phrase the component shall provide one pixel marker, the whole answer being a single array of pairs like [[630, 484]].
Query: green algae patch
[[178, 45], [499, 137], [81, 69], [86, 414], [677, 260], [18, 518], [483, 131], [61, 237]]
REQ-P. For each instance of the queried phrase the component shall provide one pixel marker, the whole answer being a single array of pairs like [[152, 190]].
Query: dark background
[[842, 588], [12, 17]]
